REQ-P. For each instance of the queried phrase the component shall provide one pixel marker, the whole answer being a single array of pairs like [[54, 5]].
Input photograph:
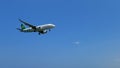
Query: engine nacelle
[[43, 32]]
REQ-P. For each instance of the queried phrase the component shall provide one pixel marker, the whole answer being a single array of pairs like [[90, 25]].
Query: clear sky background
[[87, 34]]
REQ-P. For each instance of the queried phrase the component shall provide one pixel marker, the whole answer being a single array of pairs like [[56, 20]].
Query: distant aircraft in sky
[[41, 29]]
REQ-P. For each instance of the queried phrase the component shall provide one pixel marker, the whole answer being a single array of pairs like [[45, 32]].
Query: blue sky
[[92, 23]]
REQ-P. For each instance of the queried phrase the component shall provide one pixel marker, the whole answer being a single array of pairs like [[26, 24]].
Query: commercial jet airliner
[[41, 29]]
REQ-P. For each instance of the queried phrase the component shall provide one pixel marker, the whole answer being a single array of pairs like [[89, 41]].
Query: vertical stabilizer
[[22, 26]]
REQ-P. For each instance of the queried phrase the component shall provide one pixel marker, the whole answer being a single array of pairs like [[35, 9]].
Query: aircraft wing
[[32, 26]]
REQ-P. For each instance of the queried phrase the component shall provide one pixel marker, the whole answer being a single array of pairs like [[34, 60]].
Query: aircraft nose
[[53, 25]]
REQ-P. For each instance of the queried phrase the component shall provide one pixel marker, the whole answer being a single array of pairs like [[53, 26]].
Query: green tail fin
[[22, 26]]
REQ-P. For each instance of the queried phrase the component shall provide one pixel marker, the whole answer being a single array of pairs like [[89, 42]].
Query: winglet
[[21, 20]]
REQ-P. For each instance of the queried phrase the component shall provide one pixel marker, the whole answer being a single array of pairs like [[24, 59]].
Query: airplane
[[41, 29]]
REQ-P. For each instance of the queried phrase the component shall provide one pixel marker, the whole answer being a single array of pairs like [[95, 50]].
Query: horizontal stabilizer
[[19, 29]]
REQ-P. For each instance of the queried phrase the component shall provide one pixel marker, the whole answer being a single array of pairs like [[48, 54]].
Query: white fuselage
[[39, 28]]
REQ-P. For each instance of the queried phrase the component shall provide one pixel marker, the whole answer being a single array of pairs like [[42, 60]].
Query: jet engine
[[43, 32]]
